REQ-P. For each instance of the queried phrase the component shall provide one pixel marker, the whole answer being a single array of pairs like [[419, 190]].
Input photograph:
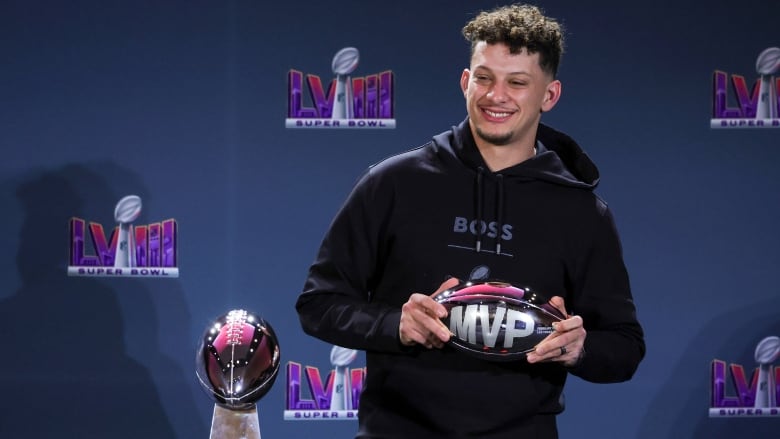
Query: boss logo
[[479, 227]]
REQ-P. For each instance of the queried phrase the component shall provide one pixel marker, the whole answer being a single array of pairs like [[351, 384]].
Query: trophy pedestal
[[234, 424]]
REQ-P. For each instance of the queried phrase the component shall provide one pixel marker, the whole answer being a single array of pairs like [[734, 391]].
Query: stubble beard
[[494, 139]]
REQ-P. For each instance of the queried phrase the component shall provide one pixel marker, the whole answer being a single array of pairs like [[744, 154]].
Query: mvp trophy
[[767, 352], [344, 62], [237, 363], [125, 212]]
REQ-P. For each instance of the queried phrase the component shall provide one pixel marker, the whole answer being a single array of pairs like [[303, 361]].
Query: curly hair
[[519, 26]]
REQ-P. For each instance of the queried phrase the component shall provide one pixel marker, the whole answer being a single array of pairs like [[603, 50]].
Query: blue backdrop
[[183, 103]]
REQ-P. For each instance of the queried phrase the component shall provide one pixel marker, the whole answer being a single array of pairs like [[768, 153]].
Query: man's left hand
[[565, 345]]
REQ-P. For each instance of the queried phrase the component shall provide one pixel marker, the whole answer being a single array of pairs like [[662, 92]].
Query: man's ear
[[464, 80], [551, 95]]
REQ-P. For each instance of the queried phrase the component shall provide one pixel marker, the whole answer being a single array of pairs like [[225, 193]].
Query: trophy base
[[234, 424]]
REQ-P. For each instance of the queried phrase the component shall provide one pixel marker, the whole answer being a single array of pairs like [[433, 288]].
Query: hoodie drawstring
[[499, 210], [480, 172]]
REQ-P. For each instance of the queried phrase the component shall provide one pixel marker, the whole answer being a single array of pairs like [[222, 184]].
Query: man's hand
[[565, 345], [420, 319]]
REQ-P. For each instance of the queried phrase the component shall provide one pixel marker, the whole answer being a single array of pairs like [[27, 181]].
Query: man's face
[[506, 94]]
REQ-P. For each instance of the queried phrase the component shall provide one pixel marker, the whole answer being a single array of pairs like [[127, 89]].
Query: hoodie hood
[[559, 159]]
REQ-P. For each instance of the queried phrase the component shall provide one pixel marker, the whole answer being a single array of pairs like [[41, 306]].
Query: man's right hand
[[421, 319]]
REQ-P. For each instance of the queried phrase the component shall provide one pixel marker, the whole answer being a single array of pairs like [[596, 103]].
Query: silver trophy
[[767, 65], [340, 359], [767, 352], [237, 363], [344, 62], [126, 211]]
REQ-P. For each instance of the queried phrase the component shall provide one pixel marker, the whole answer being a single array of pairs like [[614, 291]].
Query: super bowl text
[[743, 402], [747, 101], [154, 248], [319, 404], [370, 106]]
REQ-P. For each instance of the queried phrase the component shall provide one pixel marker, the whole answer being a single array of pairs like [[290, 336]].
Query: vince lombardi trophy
[[767, 352], [767, 65], [127, 210], [341, 358], [344, 62], [237, 363]]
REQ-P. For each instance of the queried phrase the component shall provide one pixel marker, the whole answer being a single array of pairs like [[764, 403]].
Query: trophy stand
[[234, 424], [127, 210], [767, 98], [237, 362]]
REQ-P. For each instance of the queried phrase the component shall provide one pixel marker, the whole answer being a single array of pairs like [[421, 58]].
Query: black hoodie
[[419, 217]]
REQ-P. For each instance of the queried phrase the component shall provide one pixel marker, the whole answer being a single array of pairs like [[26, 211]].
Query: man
[[499, 196]]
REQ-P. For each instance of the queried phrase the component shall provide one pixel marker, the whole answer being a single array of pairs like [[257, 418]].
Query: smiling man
[[500, 196], [506, 92]]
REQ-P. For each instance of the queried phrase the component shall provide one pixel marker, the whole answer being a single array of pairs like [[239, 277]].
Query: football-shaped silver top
[[767, 350], [345, 61], [238, 359], [768, 62], [127, 209], [340, 356]]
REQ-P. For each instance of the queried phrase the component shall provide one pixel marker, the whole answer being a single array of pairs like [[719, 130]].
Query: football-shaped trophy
[[126, 211], [767, 65], [768, 62], [495, 320], [767, 352], [340, 359], [344, 62], [237, 363]]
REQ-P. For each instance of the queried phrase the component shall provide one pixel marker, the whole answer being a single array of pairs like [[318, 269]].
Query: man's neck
[[499, 157]]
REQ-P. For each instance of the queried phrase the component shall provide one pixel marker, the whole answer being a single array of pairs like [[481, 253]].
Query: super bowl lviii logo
[[349, 102], [147, 250], [337, 399], [754, 397], [756, 108]]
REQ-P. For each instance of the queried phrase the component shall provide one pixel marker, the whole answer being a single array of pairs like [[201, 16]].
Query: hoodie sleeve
[[335, 305], [614, 345]]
